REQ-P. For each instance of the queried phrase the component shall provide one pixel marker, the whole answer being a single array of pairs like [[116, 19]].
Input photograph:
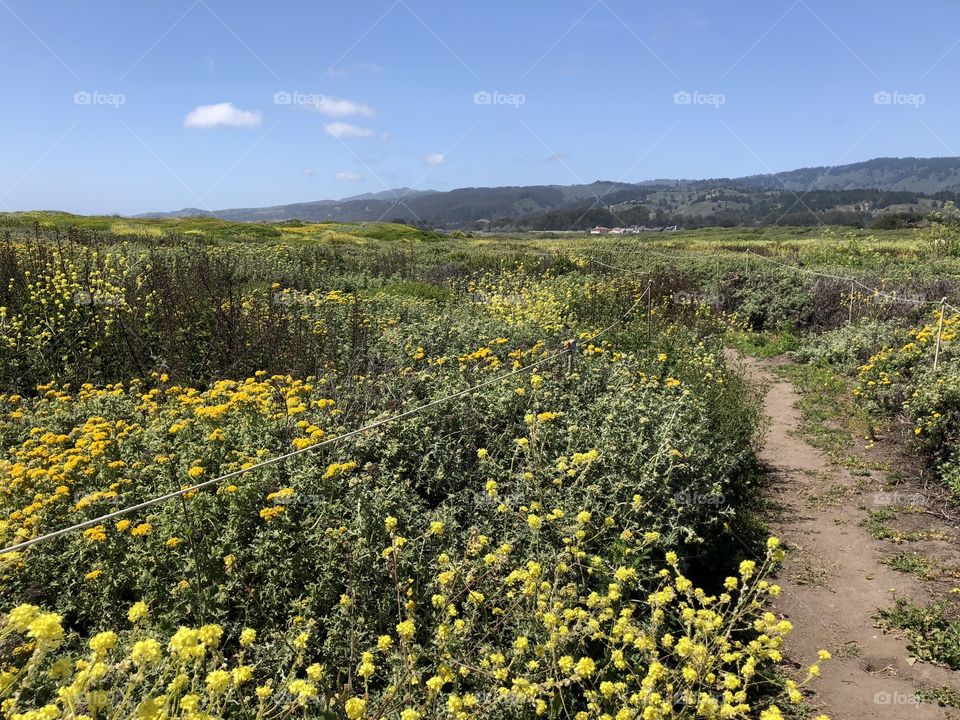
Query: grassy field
[[554, 513]]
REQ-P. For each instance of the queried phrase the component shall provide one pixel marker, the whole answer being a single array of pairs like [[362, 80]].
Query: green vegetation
[[530, 546], [943, 695], [920, 565], [934, 636], [559, 529], [763, 345]]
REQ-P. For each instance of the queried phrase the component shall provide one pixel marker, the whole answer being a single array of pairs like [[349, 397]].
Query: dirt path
[[833, 583]]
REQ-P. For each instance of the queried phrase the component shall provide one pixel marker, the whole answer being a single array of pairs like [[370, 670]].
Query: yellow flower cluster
[[95, 464]]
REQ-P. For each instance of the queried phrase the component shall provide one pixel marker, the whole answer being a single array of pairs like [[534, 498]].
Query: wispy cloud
[[347, 176], [346, 131], [222, 115], [337, 107], [434, 159]]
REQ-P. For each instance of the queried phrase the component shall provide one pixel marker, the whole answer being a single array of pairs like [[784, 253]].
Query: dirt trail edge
[[832, 581]]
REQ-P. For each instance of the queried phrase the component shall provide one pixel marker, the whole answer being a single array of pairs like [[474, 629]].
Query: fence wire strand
[[462, 393], [324, 443]]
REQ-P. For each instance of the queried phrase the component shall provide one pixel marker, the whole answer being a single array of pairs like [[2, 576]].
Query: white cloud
[[434, 159], [308, 172], [343, 131], [335, 107], [222, 115], [347, 176]]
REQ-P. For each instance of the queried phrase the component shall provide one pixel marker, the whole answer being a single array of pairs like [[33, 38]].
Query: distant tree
[[897, 220]]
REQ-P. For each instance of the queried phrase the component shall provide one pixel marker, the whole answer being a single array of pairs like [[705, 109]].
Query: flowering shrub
[[898, 378], [901, 380], [850, 346], [528, 548], [577, 638], [552, 444]]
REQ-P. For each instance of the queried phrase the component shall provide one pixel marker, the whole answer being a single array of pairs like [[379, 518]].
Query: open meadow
[[365, 471]]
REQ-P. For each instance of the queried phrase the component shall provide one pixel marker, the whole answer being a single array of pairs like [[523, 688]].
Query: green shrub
[[850, 346]]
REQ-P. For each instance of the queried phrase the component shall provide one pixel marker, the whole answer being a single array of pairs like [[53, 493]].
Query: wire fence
[[876, 292], [566, 351], [694, 256]]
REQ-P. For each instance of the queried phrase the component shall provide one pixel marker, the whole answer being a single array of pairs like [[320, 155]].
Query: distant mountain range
[[859, 194]]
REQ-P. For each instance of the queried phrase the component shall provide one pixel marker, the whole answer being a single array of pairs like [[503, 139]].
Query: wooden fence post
[[936, 353], [649, 312]]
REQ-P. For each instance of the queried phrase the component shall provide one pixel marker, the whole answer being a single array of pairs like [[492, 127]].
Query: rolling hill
[[857, 194]]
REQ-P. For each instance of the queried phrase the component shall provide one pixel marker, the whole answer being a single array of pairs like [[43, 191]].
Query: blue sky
[[134, 106]]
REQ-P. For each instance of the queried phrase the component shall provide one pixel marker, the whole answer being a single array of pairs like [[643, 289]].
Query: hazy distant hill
[[855, 194], [461, 207], [922, 175]]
